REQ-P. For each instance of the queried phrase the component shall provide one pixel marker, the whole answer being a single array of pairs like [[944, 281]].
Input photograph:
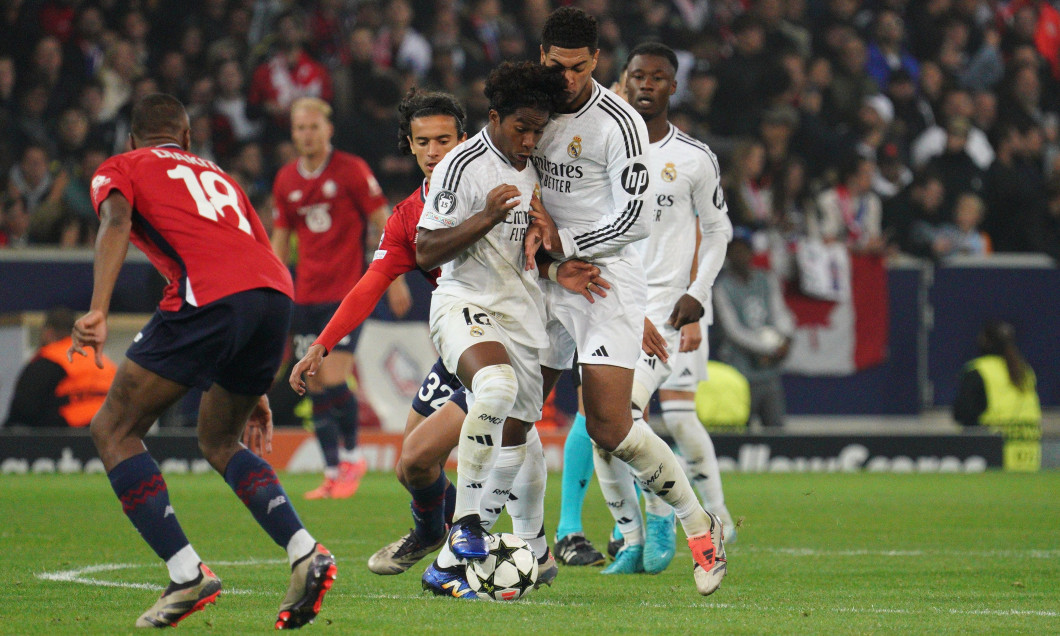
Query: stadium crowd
[[928, 128]]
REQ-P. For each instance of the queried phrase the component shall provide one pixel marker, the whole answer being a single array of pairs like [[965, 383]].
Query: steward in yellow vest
[[998, 390]]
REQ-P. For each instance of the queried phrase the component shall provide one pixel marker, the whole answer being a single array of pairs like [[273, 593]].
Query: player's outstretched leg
[[572, 548], [222, 417], [135, 400], [427, 444], [658, 470]]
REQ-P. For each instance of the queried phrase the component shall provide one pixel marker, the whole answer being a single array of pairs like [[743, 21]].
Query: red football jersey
[[195, 225], [328, 211], [397, 249]]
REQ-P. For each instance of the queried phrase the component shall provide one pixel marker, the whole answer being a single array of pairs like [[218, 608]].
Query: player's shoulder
[[454, 168], [613, 116], [412, 205], [694, 149], [287, 171]]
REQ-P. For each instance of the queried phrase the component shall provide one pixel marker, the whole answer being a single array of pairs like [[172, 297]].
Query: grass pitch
[[816, 553]]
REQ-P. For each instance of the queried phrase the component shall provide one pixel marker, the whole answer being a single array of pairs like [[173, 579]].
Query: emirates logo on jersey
[[329, 189], [669, 173], [295, 196], [574, 148]]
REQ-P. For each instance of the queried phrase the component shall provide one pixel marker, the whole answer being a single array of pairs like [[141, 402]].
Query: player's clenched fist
[[500, 201]]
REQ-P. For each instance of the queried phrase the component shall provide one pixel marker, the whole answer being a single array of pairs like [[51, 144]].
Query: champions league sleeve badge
[[445, 202]]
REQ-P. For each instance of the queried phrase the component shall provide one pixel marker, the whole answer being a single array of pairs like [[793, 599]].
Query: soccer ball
[[508, 573]]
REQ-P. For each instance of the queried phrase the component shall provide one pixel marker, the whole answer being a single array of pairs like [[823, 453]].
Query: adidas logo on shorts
[[600, 352]]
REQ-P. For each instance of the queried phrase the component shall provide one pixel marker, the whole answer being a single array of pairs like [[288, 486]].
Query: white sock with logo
[[526, 505], [657, 469], [498, 487], [495, 388], [616, 482]]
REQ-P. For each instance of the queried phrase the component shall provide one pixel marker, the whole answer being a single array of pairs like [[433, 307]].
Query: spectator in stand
[[748, 196], [850, 86], [71, 137], [756, 328], [399, 46], [1039, 22], [289, 74], [86, 55], [887, 51], [1020, 101], [955, 166], [892, 175], [742, 93], [850, 212], [957, 103], [778, 125], [55, 392], [964, 236], [14, 222], [77, 199], [1009, 192], [1047, 232], [48, 70], [922, 199]]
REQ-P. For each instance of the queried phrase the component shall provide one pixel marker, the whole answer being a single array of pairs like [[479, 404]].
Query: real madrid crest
[[477, 331], [574, 148], [669, 172]]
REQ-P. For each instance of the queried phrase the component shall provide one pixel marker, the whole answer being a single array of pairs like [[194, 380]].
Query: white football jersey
[[490, 272], [687, 184], [595, 181]]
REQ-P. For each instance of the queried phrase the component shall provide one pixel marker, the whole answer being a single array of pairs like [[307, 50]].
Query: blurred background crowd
[[925, 127]]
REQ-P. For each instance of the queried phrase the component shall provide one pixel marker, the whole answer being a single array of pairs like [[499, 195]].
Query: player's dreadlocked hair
[[570, 28], [657, 49], [515, 85], [158, 114], [427, 104]]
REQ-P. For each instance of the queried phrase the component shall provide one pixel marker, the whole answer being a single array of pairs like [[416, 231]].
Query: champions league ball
[[508, 573]]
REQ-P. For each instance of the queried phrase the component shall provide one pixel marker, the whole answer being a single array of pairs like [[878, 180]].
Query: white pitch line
[[79, 575], [813, 552]]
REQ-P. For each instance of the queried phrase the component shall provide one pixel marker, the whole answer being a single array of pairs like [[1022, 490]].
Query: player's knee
[[641, 396], [218, 448], [495, 388]]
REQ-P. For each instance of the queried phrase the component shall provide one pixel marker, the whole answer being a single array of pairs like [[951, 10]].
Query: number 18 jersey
[[195, 224]]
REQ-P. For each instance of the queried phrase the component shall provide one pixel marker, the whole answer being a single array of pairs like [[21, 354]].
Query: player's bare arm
[[437, 247], [281, 243], [112, 244]]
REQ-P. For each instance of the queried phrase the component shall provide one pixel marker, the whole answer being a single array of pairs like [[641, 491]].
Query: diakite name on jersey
[[162, 153], [556, 176]]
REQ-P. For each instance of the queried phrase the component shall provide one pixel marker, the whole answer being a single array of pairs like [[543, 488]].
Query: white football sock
[[654, 504], [301, 544], [184, 565], [657, 469], [446, 558], [698, 450], [495, 389], [616, 482], [499, 485], [526, 505], [352, 456]]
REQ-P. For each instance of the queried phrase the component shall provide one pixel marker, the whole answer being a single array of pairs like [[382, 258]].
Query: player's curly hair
[[515, 85], [427, 104], [570, 28], [658, 49]]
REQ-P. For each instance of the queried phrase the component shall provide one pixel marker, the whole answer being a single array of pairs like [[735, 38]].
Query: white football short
[[458, 325], [608, 331]]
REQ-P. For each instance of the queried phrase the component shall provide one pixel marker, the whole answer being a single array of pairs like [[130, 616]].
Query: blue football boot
[[447, 582], [660, 542], [468, 539], [629, 560]]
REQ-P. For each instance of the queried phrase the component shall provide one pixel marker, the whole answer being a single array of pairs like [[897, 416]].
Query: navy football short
[[439, 387], [236, 342], [307, 321]]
